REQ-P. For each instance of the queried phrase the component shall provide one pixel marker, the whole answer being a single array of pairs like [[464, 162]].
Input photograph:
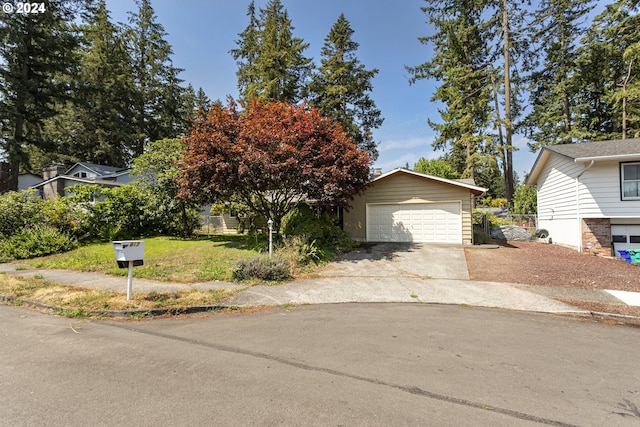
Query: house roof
[[619, 149], [100, 182], [101, 170], [457, 183]]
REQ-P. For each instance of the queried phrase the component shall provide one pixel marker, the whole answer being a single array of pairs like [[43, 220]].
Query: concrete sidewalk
[[339, 289]]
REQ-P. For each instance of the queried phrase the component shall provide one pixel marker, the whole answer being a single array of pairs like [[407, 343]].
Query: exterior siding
[[26, 181], [557, 211], [406, 188], [600, 193], [561, 211], [557, 190]]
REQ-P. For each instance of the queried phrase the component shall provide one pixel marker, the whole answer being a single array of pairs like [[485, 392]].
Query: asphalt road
[[325, 365]]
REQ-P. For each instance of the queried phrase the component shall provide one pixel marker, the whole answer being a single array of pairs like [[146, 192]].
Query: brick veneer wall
[[597, 231]]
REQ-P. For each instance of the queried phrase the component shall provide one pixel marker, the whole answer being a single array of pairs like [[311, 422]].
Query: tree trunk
[[508, 176], [624, 101], [566, 112], [498, 124]]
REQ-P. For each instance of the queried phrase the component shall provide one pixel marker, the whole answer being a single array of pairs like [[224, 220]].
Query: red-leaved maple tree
[[270, 156]]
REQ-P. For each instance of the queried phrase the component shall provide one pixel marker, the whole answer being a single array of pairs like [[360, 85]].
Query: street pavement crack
[[299, 365]]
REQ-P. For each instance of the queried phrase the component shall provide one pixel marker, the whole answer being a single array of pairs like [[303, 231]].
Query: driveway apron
[[427, 261], [399, 272]]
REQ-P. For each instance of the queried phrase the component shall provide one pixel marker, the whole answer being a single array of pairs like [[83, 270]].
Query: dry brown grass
[[75, 301]]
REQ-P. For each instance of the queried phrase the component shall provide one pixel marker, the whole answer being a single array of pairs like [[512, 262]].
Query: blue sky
[[202, 32]]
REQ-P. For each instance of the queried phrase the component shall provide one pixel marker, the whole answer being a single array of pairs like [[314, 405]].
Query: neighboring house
[[28, 180], [589, 195], [407, 206], [56, 179], [226, 222]]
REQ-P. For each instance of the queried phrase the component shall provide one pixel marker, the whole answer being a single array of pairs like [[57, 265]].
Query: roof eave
[[473, 188]]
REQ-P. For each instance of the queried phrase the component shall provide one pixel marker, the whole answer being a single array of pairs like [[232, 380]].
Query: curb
[[120, 314], [175, 311]]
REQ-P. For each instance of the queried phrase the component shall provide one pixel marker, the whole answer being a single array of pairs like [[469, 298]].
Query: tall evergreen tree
[[460, 65], [342, 85], [609, 74], [102, 113], [246, 53], [558, 28], [196, 104], [37, 51], [155, 78], [271, 63]]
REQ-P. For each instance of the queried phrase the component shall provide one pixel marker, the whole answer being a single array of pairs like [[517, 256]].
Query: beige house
[[407, 206]]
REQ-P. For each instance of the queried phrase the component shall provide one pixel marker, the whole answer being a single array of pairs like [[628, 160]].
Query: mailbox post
[[129, 254], [270, 224]]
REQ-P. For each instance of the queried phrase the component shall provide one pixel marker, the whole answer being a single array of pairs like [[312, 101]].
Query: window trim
[[622, 181]]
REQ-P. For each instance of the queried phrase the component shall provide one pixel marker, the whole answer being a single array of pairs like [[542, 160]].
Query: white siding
[[557, 200], [557, 190], [600, 193], [560, 208]]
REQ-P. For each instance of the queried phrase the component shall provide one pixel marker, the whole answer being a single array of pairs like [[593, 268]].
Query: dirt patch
[[541, 264]]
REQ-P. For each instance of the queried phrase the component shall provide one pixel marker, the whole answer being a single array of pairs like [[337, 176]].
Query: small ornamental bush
[[262, 268]]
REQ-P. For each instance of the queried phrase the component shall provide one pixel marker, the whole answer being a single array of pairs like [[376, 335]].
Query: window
[[619, 238], [80, 174], [630, 181]]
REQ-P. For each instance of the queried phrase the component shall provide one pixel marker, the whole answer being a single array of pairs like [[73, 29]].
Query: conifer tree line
[[76, 86], [555, 71], [272, 66]]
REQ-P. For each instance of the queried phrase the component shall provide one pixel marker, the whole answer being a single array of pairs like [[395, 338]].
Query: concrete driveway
[[399, 272], [420, 260]]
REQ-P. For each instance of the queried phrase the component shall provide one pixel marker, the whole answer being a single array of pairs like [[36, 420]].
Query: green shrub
[[321, 229], [131, 211], [299, 251], [35, 241], [19, 209], [262, 268]]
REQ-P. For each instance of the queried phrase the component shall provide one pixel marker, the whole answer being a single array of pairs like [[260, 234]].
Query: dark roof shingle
[[618, 147]]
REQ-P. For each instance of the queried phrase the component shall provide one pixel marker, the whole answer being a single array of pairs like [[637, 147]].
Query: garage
[[415, 222], [625, 237], [408, 206]]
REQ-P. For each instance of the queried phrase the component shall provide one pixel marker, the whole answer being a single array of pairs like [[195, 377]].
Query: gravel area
[[547, 269]]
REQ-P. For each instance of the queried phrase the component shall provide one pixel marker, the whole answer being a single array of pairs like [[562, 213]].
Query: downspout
[[578, 204]]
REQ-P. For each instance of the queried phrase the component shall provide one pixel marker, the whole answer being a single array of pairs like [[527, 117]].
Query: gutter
[[633, 156], [592, 161]]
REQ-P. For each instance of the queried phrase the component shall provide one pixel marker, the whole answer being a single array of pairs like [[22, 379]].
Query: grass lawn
[[165, 259], [76, 302]]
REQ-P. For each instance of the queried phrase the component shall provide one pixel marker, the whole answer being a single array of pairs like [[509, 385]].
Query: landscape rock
[[510, 232]]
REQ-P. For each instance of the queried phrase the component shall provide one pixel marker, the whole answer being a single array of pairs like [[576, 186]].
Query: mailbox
[[129, 250]]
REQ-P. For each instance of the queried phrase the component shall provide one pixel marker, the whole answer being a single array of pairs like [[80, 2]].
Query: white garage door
[[416, 222], [625, 237]]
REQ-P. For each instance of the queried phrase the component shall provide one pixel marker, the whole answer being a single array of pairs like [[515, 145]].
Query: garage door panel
[[417, 222]]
